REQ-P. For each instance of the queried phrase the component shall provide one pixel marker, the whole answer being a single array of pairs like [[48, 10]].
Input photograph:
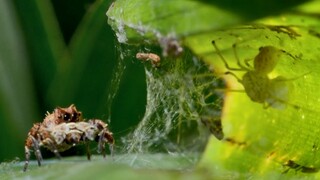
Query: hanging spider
[[63, 129], [256, 82], [153, 58]]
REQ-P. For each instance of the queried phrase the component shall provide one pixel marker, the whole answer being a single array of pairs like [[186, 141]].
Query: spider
[[214, 125], [70, 134], [39, 131], [63, 129], [155, 59], [256, 82], [293, 165]]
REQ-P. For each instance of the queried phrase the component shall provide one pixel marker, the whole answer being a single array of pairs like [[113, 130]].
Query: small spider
[[170, 46], [214, 125], [155, 59], [297, 167], [63, 129], [256, 82]]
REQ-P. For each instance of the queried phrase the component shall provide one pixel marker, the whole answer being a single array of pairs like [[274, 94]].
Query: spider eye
[[66, 117], [75, 116]]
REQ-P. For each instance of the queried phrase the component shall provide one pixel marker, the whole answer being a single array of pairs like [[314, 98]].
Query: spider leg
[[27, 153], [242, 68], [280, 78], [110, 140], [234, 75], [111, 150], [214, 125], [88, 151], [246, 61], [52, 147], [36, 148], [101, 144], [57, 154], [267, 105]]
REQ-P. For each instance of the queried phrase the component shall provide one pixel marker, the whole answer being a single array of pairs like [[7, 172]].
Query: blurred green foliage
[[55, 54]]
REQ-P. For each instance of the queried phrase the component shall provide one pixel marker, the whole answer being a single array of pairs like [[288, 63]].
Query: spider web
[[180, 93]]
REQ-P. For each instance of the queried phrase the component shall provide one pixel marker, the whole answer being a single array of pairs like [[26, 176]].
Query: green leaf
[[277, 131], [134, 166], [265, 142], [148, 18], [136, 21]]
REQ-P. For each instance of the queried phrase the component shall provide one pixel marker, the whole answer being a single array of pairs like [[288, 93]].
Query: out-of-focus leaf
[[44, 42], [137, 21], [91, 50], [17, 96]]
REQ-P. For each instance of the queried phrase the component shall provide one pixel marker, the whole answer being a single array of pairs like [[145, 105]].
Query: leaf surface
[[259, 142]]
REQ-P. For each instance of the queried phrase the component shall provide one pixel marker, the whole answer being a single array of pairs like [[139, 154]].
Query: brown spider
[[155, 59], [63, 129], [70, 134]]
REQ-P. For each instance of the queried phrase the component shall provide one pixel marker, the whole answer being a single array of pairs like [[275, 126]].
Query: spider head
[[69, 114]]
